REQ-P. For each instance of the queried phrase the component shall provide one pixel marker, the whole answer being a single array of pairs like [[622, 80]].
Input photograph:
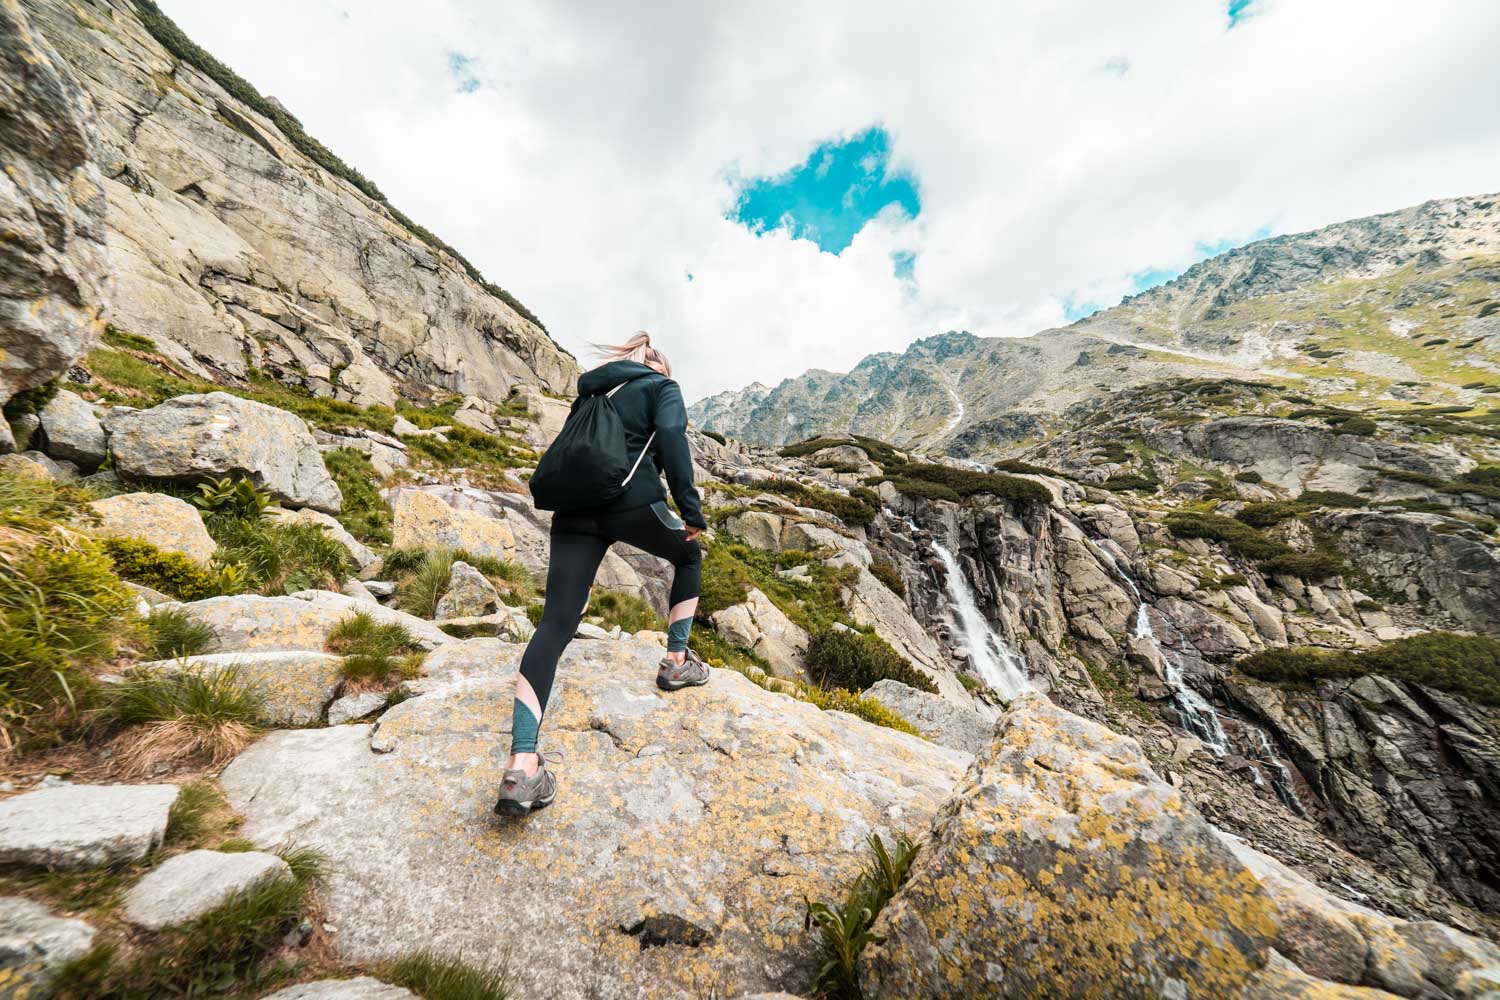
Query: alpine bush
[[843, 658], [1463, 664]]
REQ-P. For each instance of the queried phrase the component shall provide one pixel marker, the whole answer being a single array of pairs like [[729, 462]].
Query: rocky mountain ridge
[[1391, 310]]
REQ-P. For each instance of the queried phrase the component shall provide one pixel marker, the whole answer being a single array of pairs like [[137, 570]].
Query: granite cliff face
[[233, 249]]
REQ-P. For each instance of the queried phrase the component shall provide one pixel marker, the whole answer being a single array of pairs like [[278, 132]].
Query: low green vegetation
[[889, 575], [421, 577], [844, 929], [171, 37], [924, 478], [434, 977], [731, 568], [1272, 556], [628, 611], [374, 651], [365, 513], [859, 507], [200, 815], [843, 658], [1273, 512], [716, 436], [281, 557], [466, 448], [170, 633], [225, 950], [170, 716], [1462, 664], [62, 609], [172, 573]]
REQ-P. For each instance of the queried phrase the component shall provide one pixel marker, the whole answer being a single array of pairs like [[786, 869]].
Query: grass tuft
[[373, 651], [434, 977], [172, 633], [171, 716], [843, 929]]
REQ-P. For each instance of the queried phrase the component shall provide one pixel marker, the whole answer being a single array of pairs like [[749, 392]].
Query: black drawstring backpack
[[587, 466]]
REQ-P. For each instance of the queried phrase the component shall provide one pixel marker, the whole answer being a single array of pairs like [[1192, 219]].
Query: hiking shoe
[[520, 795], [691, 672]]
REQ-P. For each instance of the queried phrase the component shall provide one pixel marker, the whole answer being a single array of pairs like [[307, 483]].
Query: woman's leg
[[571, 566], [657, 531]]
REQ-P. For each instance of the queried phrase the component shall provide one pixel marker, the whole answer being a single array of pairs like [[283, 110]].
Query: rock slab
[[170, 524], [758, 798], [84, 826], [935, 717], [294, 685], [299, 622], [420, 520], [361, 988], [72, 432], [1063, 866], [35, 945], [216, 434], [186, 886]]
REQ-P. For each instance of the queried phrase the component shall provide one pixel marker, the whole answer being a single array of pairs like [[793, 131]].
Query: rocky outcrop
[[299, 622], [938, 719], [54, 267], [293, 685], [84, 826], [1409, 776], [422, 520], [1425, 558], [760, 626], [216, 435], [470, 594], [170, 524], [188, 885], [760, 800], [1063, 866], [71, 432], [209, 209]]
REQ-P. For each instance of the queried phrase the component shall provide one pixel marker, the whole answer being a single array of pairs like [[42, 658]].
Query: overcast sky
[[777, 186]]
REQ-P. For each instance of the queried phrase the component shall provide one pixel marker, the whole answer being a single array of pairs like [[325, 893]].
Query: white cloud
[[591, 169]]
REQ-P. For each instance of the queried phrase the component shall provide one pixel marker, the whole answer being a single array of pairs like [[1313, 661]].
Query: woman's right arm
[[676, 456]]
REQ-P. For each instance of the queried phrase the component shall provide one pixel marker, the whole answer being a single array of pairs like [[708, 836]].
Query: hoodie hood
[[606, 377]]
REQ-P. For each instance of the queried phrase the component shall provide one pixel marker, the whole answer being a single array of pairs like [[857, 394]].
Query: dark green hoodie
[[649, 401]]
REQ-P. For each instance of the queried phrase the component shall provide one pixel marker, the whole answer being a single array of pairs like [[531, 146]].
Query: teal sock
[[677, 635], [523, 728]]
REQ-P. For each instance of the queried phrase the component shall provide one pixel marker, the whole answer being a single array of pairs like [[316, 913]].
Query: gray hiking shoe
[[520, 795], [691, 672]]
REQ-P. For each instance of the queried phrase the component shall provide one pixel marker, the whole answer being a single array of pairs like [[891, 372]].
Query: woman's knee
[[691, 555]]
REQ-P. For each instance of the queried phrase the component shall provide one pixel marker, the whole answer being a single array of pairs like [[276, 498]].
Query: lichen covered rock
[[1063, 866], [421, 520], [170, 524]]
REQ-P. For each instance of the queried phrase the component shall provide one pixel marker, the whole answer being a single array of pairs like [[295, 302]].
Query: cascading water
[[1281, 777], [1198, 716], [1000, 667], [997, 663]]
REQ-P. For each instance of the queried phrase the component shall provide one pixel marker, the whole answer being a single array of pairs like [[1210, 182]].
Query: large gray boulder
[[216, 434], [35, 946], [84, 826], [188, 885], [1063, 866], [170, 524], [299, 622], [54, 267], [294, 685], [423, 519], [760, 626], [940, 719], [71, 432], [757, 799]]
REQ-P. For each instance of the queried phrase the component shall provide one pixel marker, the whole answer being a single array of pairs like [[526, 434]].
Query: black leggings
[[579, 541]]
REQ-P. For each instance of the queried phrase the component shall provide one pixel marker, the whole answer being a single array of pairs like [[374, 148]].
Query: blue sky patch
[[1239, 10], [828, 198], [464, 70], [904, 264]]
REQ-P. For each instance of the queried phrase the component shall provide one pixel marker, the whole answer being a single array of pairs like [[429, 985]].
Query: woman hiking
[[636, 379]]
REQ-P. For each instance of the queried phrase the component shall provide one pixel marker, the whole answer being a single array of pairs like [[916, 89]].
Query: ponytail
[[638, 349]]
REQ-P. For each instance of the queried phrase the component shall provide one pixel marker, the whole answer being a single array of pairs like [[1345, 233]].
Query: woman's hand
[[693, 533]]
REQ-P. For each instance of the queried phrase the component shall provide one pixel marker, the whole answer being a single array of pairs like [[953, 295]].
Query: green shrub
[[62, 608], [969, 482], [853, 509], [172, 573], [172, 632], [1264, 515], [436, 978], [625, 610], [888, 575], [373, 650], [230, 498], [1249, 476], [868, 709], [921, 488], [971, 683], [1235, 535], [843, 930], [843, 658], [1316, 565], [1121, 483], [365, 513], [282, 557], [180, 714], [1463, 664], [1360, 426], [716, 436], [171, 37]]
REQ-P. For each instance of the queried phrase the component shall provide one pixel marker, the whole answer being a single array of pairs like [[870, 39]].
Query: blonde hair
[[639, 350]]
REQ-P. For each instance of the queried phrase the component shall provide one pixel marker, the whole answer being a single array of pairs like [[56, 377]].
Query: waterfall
[[1198, 716], [1281, 777], [1000, 667]]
